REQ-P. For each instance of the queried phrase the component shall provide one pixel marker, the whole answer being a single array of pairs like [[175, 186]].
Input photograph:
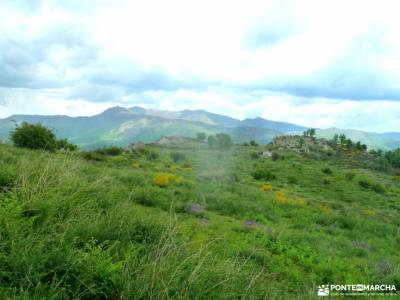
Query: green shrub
[[254, 155], [263, 174], [253, 143], [177, 156], [292, 180], [152, 155], [364, 183], [221, 140], [275, 156], [378, 188], [7, 178], [327, 171], [33, 136], [37, 136], [111, 151], [92, 155], [326, 180], [201, 136], [350, 175], [374, 186], [64, 144], [146, 197]]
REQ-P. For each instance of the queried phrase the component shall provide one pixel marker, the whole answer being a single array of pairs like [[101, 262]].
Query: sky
[[331, 63]]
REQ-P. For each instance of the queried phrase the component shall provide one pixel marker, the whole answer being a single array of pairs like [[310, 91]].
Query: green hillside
[[372, 140], [121, 126], [194, 223]]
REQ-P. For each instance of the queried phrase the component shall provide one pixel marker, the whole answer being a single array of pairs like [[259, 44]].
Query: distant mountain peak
[[115, 112], [116, 109], [138, 110]]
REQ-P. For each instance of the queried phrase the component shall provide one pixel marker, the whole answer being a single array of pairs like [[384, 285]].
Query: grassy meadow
[[193, 223]]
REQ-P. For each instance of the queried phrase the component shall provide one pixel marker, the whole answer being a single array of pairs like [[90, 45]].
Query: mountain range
[[121, 126]]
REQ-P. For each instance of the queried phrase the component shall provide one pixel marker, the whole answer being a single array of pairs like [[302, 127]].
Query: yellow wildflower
[[266, 187]]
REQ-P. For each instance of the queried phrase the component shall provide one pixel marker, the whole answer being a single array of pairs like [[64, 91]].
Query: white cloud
[[316, 63]]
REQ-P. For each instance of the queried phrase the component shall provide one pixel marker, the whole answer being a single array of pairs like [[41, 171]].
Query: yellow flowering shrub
[[325, 209], [165, 179], [369, 212], [266, 187], [299, 202], [280, 197]]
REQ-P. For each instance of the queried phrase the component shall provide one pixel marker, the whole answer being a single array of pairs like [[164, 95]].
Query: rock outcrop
[[173, 141], [135, 147], [300, 143]]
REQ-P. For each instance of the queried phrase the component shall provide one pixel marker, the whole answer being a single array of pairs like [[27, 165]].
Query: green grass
[[76, 226]]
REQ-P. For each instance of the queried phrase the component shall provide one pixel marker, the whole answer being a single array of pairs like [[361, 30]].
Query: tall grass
[[72, 228]]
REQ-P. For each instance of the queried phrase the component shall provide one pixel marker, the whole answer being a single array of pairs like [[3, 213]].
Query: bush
[[91, 155], [364, 183], [350, 175], [292, 180], [253, 143], [266, 187], [201, 136], [275, 156], [34, 136], [374, 186], [378, 188], [254, 155], [326, 180], [177, 156], [7, 178], [146, 196], [64, 144], [327, 171], [151, 155], [110, 151], [221, 140], [165, 179], [37, 136], [263, 174]]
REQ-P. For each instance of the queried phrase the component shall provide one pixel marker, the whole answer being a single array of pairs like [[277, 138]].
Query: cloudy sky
[[311, 62]]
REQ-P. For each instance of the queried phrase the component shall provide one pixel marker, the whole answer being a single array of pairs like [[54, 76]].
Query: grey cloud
[[22, 61], [96, 93], [353, 76]]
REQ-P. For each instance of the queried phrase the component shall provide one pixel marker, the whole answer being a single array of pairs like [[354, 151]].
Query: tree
[[253, 143], [393, 157], [201, 136], [37, 136], [349, 143], [34, 136], [342, 139], [310, 132], [335, 139], [224, 141], [301, 142], [211, 141], [64, 144], [220, 140]]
